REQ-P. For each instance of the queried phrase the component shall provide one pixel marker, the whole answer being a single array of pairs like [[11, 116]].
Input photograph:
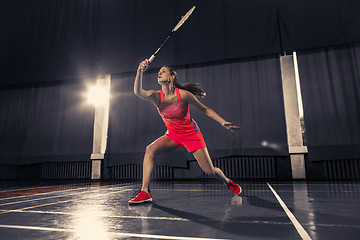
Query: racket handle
[[151, 58]]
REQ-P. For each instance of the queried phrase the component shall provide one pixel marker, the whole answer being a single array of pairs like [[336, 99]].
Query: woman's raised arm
[[138, 90]]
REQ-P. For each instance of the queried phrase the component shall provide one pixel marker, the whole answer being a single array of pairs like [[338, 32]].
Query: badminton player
[[172, 102]]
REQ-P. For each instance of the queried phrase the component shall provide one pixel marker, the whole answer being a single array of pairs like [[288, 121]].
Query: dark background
[[56, 40], [50, 51]]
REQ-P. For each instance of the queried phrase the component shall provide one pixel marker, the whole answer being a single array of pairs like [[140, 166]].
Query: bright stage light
[[98, 95]]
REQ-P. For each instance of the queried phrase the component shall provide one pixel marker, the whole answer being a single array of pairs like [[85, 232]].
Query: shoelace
[[137, 191]]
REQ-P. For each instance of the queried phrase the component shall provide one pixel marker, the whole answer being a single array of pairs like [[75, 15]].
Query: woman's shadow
[[243, 226]]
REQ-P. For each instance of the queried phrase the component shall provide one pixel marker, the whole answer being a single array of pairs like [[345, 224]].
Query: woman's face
[[164, 75]]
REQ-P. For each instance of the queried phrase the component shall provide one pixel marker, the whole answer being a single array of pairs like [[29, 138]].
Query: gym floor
[[181, 210]]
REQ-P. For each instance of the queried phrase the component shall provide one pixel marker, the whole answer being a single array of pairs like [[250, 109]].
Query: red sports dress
[[182, 129]]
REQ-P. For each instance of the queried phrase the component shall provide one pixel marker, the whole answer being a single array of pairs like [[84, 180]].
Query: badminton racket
[[180, 23]]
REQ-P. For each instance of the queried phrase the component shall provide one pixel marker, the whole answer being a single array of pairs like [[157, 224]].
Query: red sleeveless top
[[176, 116]]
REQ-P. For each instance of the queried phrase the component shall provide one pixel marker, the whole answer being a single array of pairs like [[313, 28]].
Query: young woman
[[173, 102]]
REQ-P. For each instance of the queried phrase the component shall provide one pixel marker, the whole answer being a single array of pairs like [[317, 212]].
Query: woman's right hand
[[229, 126], [144, 65]]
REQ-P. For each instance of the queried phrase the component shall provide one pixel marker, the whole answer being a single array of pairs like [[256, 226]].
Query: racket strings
[[183, 19]]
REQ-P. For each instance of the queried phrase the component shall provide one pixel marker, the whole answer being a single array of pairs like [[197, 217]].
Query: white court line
[[101, 215], [44, 193], [32, 188], [34, 199], [53, 203], [151, 218], [180, 219], [304, 235], [29, 188], [67, 190], [57, 196], [111, 233]]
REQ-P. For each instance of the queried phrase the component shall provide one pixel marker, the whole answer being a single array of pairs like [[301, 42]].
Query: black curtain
[[330, 84], [45, 123], [308, 24], [47, 40], [249, 93], [54, 40]]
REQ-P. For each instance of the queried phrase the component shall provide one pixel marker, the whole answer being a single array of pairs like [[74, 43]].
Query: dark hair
[[194, 88]]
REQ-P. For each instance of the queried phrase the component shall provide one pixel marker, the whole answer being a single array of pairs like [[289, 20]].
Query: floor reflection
[[302, 203], [90, 221], [236, 200], [143, 211]]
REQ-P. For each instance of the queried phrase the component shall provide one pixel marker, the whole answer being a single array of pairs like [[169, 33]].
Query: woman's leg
[[162, 144], [203, 158]]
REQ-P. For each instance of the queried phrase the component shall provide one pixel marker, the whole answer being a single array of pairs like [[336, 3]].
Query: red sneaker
[[236, 189], [142, 197]]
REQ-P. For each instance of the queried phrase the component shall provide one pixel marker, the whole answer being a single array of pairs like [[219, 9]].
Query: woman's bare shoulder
[[185, 92], [185, 95]]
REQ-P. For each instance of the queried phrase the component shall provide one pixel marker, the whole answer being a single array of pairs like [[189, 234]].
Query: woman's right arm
[[138, 90]]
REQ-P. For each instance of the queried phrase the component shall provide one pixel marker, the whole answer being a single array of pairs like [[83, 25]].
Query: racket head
[[183, 19]]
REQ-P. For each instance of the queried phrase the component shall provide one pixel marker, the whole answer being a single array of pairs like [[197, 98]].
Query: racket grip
[[151, 58]]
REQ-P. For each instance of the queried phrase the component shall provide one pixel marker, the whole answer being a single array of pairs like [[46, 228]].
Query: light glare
[[98, 95]]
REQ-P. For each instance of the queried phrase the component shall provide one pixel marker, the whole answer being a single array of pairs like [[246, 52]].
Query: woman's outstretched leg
[[160, 145], [203, 158]]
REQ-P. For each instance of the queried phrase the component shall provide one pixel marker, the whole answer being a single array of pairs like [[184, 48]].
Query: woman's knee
[[150, 150]]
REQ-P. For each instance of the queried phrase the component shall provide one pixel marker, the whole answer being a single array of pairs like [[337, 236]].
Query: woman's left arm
[[190, 98]]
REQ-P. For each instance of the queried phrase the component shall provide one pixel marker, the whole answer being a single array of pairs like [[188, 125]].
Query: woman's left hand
[[229, 126]]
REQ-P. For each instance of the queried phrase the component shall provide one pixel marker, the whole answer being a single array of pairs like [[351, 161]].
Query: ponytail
[[194, 88]]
